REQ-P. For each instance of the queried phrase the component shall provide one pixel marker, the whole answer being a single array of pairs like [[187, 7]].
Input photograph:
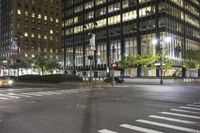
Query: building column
[[138, 40], [122, 35], [107, 41], [157, 34]]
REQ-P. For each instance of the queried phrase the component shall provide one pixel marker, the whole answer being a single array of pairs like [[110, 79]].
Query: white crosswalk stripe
[[192, 105], [3, 98], [185, 111], [32, 94], [190, 111], [141, 129], [8, 96], [173, 119], [51, 93], [181, 115], [183, 107], [169, 126], [106, 131], [19, 95]]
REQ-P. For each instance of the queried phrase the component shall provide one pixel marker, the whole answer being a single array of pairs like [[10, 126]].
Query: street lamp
[[90, 57], [161, 43]]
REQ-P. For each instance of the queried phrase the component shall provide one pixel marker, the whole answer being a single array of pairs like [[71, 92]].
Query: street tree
[[145, 61], [41, 62], [192, 59], [53, 65]]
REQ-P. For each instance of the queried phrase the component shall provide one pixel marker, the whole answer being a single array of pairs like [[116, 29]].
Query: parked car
[[117, 79], [5, 82]]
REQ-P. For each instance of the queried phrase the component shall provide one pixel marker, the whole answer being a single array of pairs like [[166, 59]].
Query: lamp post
[[161, 43], [91, 57], [113, 65], [161, 65]]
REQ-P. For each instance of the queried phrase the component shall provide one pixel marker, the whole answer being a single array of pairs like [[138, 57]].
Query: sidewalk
[[157, 81]]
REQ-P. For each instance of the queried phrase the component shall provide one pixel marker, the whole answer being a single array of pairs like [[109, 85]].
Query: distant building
[[34, 25], [130, 26]]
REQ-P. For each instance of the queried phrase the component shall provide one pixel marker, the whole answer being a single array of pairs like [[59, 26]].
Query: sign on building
[[14, 47]]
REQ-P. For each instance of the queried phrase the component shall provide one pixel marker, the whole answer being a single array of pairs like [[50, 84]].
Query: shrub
[[50, 78]]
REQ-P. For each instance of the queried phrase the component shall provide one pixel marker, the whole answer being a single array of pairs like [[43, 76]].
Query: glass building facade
[[129, 26]]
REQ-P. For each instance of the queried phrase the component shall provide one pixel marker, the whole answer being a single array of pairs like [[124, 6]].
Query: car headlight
[[10, 82]]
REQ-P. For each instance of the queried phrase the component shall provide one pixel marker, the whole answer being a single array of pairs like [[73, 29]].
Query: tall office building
[[130, 26], [28, 27]]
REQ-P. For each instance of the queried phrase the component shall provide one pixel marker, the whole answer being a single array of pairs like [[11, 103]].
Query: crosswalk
[[176, 120], [18, 95], [10, 96]]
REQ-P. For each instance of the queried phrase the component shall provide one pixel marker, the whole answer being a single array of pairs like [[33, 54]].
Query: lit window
[[39, 16], [45, 37], [51, 31], [39, 36], [57, 20], [51, 19], [32, 35], [45, 17], [26, 34], [33, 15], [19, 11], [26, 13], [33, 1]]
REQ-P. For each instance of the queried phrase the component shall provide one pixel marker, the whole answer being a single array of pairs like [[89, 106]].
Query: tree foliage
[[140, 60], [192, 59], [143, 61]]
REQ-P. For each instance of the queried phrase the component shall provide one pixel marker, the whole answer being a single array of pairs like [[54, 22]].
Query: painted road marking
[[50, 93], [169, 126], [19, 95], [192, 105], [185, 111], [7, 96], [141, 129], [106, 131], [172, 119], [32, 94], [183, 107], [3, 98], [182, 115]]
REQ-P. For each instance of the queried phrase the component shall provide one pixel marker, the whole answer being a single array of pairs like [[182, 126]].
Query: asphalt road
[[122, 109]]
